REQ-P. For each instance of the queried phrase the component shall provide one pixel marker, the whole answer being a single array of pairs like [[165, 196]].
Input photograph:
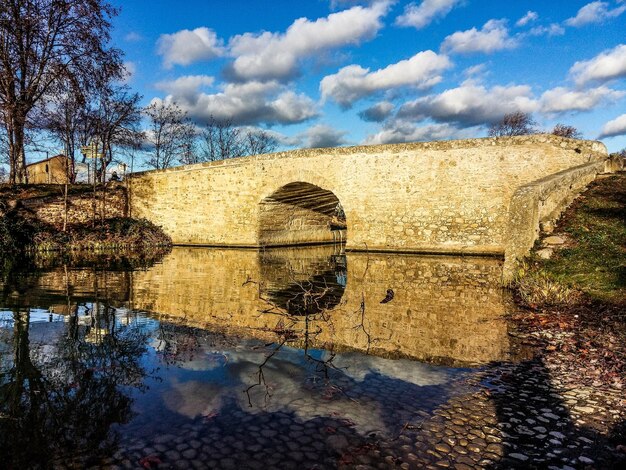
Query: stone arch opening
[[300, 214]]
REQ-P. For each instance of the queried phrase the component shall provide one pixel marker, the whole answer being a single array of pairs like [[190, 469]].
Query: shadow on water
[[565, 406]]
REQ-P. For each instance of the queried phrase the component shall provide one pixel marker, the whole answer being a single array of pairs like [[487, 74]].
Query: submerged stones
[[495, 417]]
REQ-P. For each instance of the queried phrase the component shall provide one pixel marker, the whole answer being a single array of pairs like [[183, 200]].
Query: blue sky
[[344, 72]]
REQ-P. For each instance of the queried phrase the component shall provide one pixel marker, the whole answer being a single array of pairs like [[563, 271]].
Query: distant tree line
[[172, 138]]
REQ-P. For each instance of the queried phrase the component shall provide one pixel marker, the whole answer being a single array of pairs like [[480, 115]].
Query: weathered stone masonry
[[476, 196]]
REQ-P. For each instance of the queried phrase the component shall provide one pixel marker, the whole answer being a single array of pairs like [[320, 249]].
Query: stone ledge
[[595, 149], [453, 250], [540, 202]]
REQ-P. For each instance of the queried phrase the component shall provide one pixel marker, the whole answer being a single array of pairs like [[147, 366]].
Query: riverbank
[[40, 218], [573, 288], [572, 299]]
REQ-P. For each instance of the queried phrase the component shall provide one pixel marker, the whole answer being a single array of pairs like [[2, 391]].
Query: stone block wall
[[540, 203], [300, 214], [436, 197], [51, 209]]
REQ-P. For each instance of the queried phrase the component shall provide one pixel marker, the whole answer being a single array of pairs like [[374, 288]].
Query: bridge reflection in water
[[441, 309], [81, 326]]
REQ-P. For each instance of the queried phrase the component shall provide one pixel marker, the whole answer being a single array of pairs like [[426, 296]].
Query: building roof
[[47, 159]]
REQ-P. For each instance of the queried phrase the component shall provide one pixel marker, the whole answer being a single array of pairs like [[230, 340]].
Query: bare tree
[[64, 112], [117, 120], [42, 42], [128, 148], [168, 134], [257, 142], [563, 130], [517, 123], [189, 145], [69, 110], [222, 140], [4, 146]]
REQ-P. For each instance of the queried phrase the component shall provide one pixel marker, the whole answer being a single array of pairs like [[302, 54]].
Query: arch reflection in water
[[308, 287], [445, 309]]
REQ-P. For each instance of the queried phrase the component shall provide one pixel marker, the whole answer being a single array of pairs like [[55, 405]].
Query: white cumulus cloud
[[398, 131], [560, 99], [595, 12], [605, 66], [471, 104], [185, 87], [275, 56], [250, 103], [529, 17], [353, 82], [419, 16], [322, 135], [614, 127], [186, 47], [493, 36]]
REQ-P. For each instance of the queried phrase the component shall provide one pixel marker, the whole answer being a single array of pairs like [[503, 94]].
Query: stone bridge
[[478, 196]]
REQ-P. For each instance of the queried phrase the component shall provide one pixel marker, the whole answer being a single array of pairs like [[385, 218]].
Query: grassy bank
[[590, 264], [574, 303]]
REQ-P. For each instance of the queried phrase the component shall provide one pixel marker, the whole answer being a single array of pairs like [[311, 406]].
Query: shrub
[[536, 289], [511, 124], [566, 131]]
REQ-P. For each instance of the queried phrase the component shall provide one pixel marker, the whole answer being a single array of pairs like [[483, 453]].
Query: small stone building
[[53, 170]]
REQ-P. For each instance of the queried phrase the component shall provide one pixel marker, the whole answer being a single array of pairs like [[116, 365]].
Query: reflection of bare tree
[[302, 308], [62, 395], [261, 375], [176, 344], [361, 325]]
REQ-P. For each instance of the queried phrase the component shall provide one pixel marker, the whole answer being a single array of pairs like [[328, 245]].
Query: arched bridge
[[477, 196]]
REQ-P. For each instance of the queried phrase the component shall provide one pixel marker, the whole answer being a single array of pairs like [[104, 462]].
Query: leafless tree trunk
[[221, 140]]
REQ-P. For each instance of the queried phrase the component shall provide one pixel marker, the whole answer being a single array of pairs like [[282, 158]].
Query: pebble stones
[[514, 421]]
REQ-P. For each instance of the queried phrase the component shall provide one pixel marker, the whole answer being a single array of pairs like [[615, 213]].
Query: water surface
[[236, 357]]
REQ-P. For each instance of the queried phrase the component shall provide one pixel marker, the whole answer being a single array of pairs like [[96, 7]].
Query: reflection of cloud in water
[[292, 384], [205, 362], [193, 398], [292, 389], [358, 366]]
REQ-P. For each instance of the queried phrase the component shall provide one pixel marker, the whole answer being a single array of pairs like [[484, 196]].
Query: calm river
[[288, 358]]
